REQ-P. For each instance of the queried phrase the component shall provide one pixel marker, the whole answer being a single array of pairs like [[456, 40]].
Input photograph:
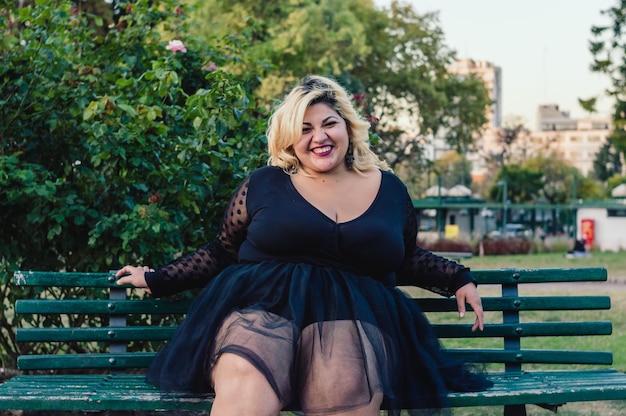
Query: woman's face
[[324, 141]]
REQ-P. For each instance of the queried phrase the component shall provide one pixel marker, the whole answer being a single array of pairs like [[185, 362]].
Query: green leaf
[[124, 82], [128, 109], [90, 111], [197, 123], [54, 231]]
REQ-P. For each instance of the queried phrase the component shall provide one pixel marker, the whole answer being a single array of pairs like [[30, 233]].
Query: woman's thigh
[[338, 369], [263, 339]]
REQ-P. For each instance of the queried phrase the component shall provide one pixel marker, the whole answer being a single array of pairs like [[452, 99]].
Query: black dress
[[307, 300]]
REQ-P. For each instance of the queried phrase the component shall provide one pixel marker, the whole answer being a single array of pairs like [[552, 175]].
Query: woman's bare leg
[[373, 409], [241, 389], [336, 356]]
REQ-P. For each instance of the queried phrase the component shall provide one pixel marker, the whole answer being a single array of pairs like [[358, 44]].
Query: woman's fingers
[[135, 276], [468, 294]]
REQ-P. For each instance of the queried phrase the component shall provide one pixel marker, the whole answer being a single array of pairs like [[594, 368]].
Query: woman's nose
[[319, 134]]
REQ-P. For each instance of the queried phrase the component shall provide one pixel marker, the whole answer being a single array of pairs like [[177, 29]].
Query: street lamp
[[504, 198]]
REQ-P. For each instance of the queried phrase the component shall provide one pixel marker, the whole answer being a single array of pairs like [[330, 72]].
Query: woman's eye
[[306, 130], [330, 124]]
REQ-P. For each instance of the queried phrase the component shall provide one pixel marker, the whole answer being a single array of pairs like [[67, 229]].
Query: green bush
[[503, 246], [114, 149], [446, 245]]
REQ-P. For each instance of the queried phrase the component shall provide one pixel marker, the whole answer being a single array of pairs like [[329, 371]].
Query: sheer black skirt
[[325, 339]]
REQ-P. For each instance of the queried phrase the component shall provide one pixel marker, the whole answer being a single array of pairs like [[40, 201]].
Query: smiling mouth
[[322, 150]]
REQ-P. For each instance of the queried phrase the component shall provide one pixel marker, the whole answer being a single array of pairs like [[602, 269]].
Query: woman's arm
[[196, 269], [425, 269]]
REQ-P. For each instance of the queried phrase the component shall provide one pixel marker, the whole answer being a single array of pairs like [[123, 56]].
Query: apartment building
[[577, 140], [491, 75]]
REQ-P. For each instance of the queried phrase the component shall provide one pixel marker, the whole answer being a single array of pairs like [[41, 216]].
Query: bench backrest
[[94, 324]]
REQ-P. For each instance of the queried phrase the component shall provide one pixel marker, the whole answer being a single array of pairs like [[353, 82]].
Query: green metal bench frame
[[120, 387]]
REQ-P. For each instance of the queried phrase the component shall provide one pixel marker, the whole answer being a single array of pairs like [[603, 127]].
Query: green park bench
[[96, 314]]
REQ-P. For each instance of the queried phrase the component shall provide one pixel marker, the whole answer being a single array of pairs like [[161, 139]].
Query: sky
[[541, 47]]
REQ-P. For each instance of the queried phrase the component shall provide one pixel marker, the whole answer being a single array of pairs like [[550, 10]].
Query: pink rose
[[176, 46], [211, 67]]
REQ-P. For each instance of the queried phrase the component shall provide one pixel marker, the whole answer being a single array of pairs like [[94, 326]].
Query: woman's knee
[[240, 388], [233, 369]]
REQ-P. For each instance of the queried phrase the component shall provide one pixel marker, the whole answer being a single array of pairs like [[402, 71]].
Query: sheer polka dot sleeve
[[425, 269], [196, 269]]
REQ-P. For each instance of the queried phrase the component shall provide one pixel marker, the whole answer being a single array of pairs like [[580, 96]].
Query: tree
[[558, 177], [454, 169], [589, 105], [114, 149], [296, 38], [131, 156], [523, 183], [607, 45], [560, 181], [394, 61], [506, 139], [607, 162], [406, 74]]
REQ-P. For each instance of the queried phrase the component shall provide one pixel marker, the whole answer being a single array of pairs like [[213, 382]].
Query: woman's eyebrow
[[323, 121]]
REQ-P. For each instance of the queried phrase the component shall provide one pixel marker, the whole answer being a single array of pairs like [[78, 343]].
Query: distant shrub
[[446, 245], [501, 246], [560, 247]]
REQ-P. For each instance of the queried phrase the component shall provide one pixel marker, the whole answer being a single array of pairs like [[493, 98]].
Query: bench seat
[[130, 391], [99, 333]]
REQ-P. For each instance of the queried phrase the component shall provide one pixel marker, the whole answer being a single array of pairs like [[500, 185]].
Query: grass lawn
[[616, 288], [615, 263]]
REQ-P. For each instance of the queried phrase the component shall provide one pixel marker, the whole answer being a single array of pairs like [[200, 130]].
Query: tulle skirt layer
[[325, 339]]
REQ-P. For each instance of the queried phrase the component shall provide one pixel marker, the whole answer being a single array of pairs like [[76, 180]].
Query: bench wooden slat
[[143, 333], [65, 279], [525, 329], [130, 360], [501, 276], [521, 303], [519, 276], [85, 361], [487, 356], [162, 306], [104, 334], [93, 392], [104, 306], [547, 387], [97, 392]]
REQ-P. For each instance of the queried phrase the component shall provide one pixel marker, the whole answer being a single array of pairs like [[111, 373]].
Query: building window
[[616, 212]]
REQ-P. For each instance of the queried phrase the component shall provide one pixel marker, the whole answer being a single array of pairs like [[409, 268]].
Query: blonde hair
[[285, 125]]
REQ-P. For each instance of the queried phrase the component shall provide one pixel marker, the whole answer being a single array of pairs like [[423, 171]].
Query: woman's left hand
[[468, 294]]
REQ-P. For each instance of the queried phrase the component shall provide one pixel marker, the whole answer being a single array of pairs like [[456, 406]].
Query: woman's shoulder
[[266, 175], [266, 172], [391, 180]]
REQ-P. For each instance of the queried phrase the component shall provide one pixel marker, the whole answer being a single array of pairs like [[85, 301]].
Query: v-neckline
[[310, 204]]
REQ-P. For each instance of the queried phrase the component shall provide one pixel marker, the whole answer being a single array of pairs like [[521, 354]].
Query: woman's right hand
[[134, 275]]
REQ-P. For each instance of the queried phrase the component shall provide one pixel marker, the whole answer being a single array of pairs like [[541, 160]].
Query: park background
[[117, 146]]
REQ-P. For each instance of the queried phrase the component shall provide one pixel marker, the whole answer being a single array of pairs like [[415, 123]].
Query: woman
[[300, 307]]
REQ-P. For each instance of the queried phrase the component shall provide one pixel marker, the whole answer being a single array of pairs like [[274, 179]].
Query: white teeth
[[322, 149]]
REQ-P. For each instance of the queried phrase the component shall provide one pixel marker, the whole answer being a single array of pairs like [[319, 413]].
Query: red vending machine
[[588, 232]]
